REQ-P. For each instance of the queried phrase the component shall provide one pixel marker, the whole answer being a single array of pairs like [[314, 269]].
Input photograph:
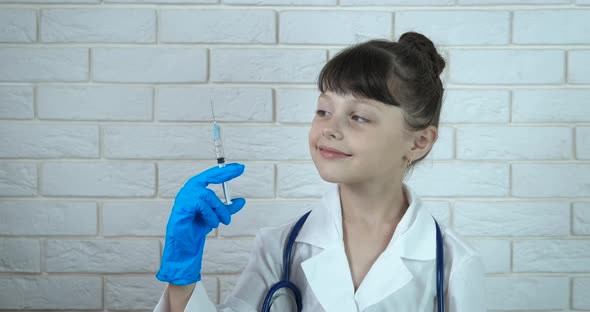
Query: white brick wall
[[104, 114]]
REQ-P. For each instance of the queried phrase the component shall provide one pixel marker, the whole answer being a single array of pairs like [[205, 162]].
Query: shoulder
[[464, 274], [457, 246], [275, 233], [462, 261], [273, 239]]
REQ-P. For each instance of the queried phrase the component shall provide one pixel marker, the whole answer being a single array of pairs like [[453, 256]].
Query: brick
[[216, 259], [50, 1], [460, 179], [551, 256], [578, 63], [88, 25], [514, 143], [272, 143], [507, 67], [217, 26], [137, 218], [297, 105], [257, 181], [527, 293], [230, 104], [43, 64], [300, 180], [164, 1], [456, 27], [16, 102], [333, 52], [558, 27], [114, 179], [159, 141], [48, 141], [514, 218], [553, 105], [51, 293], [282, 2], [495, 254], [397, 2], [498, 2], [18, 179], [444, 147], [333, 27], [20, 255], [276, 212], [95, 103], [475, 106], [266, 65], [18, 25], [581, 218], [47, 218], [149, 64], [133, 293], [583, 142], [539, 180], [440, 210], [103, 256], [581, 293]]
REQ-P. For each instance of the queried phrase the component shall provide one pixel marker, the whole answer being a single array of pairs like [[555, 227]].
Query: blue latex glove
[[196, 211]]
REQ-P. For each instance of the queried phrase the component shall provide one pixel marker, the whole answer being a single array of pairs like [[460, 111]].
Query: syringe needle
[[212, 112]]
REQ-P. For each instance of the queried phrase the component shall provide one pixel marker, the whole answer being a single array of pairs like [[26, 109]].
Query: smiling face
[[356, 140]]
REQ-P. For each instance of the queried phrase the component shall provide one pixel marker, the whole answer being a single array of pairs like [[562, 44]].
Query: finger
[[218, 207], [209, 216], [216, 175], [207, 207], [236, 205]]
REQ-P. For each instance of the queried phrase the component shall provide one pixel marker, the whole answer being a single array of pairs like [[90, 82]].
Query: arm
[[178, 296], [196, 211], [186, 298], [466, 288], [260, 273]]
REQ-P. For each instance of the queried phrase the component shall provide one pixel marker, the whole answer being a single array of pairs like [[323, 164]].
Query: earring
[[410, 162]]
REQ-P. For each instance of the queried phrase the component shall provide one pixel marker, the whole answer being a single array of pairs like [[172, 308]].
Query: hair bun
[[423, 45]]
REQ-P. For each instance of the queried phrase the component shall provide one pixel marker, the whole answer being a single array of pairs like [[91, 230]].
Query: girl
[[372, 246]]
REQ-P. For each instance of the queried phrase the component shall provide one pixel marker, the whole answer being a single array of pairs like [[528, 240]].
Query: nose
[[332, 133]]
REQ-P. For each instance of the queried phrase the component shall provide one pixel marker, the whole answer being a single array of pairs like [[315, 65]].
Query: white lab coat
[[401, 279]]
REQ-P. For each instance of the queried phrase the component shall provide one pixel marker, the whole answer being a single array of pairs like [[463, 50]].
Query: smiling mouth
[[330, 153]]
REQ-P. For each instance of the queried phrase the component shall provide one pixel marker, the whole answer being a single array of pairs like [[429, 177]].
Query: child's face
[[369, 133]]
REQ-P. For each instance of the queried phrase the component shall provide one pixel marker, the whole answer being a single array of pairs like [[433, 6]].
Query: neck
[[373, 204]]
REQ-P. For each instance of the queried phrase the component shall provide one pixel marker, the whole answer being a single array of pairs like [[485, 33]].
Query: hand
[[196, 211]]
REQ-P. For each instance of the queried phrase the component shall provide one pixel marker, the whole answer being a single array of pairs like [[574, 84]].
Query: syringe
[[220, 155]]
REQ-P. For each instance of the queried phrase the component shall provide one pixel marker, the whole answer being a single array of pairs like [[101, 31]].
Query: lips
[[331, 153]]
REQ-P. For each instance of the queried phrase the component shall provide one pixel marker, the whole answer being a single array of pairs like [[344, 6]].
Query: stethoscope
[[286, 283]]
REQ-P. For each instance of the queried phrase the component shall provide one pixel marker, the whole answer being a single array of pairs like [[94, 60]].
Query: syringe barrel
[[217, 140]]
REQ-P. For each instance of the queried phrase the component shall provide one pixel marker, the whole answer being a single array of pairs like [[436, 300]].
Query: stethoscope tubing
[[286, 283]]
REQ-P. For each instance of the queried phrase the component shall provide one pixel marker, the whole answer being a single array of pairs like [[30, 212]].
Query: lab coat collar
[[328, 272]]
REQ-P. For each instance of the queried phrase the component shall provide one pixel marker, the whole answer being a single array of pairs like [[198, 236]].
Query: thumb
[[236, 205]]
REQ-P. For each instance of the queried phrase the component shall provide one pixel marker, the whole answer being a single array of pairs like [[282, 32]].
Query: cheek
[[312, 137], [384, 147]]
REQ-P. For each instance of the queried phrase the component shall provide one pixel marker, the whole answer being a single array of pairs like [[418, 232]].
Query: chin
[[335, 174], [332, 178]]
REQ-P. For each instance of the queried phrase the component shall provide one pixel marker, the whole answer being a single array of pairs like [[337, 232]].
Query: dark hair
[[404, 73]]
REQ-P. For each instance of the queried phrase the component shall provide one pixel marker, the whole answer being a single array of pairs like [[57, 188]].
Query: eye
[[321, 112], [359, 119]]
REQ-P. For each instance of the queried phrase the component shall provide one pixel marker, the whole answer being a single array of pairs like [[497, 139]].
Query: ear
[[423, 140]]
